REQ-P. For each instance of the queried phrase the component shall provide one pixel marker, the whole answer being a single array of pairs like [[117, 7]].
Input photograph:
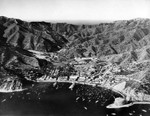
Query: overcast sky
[[75, 10]]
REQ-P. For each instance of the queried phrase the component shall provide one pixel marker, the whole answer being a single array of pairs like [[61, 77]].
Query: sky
[[75, 10]]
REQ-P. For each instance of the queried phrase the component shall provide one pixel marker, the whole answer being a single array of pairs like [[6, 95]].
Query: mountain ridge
[[106, 54]]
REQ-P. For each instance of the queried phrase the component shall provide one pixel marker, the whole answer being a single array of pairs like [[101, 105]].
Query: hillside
[[113, 55]]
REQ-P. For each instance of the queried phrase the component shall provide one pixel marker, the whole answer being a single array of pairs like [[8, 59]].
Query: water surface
[[45, 100]]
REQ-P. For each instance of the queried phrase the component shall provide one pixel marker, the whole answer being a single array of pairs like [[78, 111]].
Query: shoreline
[[11, 91], [54, 82], [82, 83], [126, 105]]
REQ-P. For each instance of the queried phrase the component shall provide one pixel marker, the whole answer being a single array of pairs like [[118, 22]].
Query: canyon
[[113, 55]]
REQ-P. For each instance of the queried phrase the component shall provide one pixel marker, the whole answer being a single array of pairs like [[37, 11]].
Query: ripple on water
[[63, 100]]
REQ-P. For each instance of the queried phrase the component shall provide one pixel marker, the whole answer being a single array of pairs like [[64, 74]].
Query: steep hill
[[111, 55]]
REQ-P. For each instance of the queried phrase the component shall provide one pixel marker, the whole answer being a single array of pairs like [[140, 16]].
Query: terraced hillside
[[113, 55]]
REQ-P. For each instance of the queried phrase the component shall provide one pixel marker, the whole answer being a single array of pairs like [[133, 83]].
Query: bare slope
[[112, 55]]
